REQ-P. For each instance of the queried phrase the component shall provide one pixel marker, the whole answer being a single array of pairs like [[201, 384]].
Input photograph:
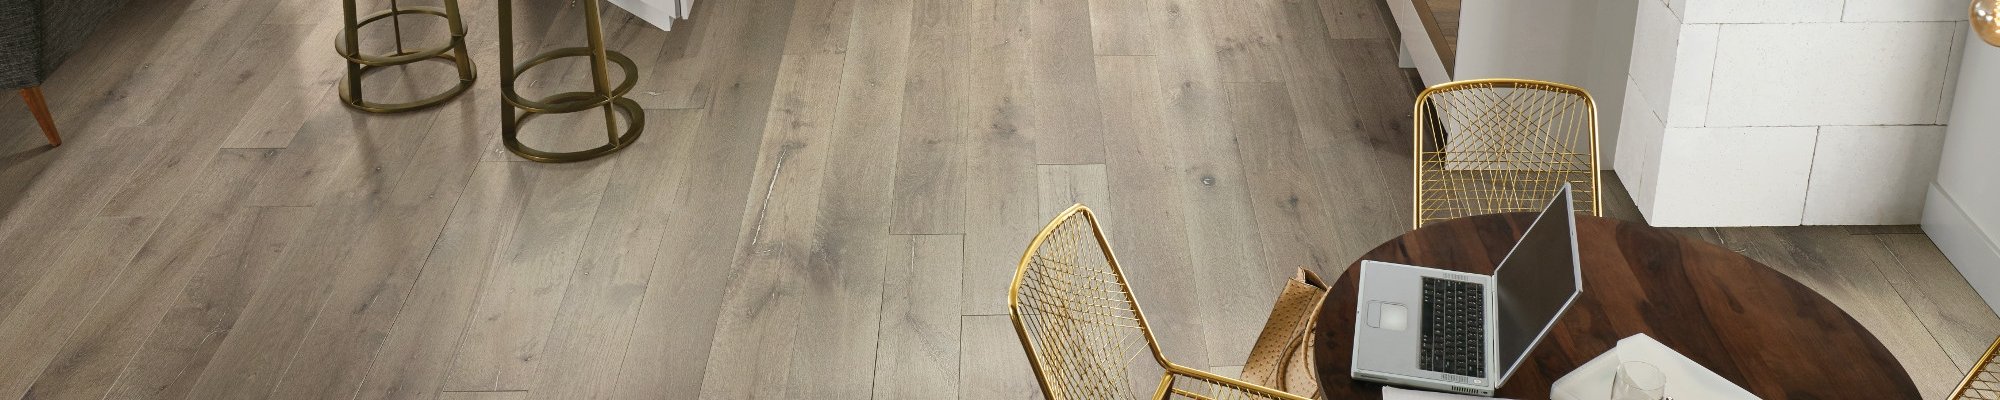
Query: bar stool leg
[[602, 95], [348, 45]]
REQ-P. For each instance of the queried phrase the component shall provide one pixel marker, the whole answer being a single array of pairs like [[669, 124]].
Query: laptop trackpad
[[1390, 316]]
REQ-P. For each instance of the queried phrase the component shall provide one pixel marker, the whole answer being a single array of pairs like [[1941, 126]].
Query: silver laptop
[[1466, 333]]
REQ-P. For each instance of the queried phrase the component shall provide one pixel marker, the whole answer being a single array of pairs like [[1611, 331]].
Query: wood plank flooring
[[828, 202]]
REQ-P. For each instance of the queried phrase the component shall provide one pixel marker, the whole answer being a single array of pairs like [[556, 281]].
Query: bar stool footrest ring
[[635, 121]]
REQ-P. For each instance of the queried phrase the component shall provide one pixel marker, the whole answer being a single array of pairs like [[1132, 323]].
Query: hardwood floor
[[828, 202]]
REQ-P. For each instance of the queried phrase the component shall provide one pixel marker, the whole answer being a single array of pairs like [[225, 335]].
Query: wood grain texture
[[1145, 181], [931, 152], [919, 342], [145, 288], [1060, 76], [773, 251], [36, 333], [190, 332], [419, 351], [1689, 295], [1123, 27], [216, 226], [1955, 316], [1001, 200], [989, 353]]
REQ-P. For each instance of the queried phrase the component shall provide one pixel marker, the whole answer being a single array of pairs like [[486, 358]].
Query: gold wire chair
[[1502, 145], [1082, 328], [1984, 380]]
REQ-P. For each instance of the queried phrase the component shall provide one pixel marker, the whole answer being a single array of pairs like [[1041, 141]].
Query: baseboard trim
[[1969, 246]]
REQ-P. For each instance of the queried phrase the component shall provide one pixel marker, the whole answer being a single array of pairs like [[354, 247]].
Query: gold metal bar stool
[[348, 44], [611, 99]]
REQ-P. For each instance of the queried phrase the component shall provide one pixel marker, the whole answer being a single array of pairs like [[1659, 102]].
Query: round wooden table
[[1741, 319]]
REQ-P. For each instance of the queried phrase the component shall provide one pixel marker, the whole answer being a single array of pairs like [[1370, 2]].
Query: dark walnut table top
[[1743, 320]]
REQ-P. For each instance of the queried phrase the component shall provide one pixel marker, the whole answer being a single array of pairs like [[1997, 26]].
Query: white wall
[[1787, 112], [1418, 51], [1579, 42], [1962, 214]]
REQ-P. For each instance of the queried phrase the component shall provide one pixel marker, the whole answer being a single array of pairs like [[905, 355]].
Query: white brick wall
[[1787, 112]]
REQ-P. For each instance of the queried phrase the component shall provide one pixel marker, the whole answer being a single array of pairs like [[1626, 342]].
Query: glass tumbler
[[1638, 381]]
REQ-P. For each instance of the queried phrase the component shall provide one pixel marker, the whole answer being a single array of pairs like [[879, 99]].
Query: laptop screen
[[1536, 282]]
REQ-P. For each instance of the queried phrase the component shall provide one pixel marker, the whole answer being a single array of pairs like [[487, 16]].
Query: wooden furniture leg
[[40, 107]]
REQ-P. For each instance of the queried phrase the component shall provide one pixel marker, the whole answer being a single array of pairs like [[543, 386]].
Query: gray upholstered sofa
[[35, 36]]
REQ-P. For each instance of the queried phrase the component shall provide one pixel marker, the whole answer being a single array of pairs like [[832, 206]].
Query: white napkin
[[1392, 393], [1685, 378]]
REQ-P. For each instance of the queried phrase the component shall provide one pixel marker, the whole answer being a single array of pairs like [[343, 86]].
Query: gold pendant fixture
[[1986, 20]]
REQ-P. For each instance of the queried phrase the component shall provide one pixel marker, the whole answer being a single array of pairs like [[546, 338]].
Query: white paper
[[1685, 378]]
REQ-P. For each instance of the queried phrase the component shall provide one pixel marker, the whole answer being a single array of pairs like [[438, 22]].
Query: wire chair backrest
[[1502, 145], [1076, 315], [1984, 380]]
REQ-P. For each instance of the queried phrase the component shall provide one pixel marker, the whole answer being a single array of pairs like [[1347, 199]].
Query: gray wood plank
[[138, 296], [370, 287], [379, 199], [1001, 204], [1223, 233], [1357, 19], [991, 364], [1951, 311], [819, 27], [757, 336], [502, 347], [614, 269], [33, 335], [677, 76], [1064, 185], [1062, 88], [506, 395], [845, 275], [1884, 229], [689, 282], [273, 119], [1333, 134], [930, 156], [332, 141], [198, 321], [919, 327], [1123, 27], [56, 192], [1244, 39], [173, 166], [1146, 175], [417, 353], [1291, 211]]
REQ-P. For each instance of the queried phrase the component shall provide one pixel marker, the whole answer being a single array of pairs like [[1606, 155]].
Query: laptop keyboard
[[1454, 325]]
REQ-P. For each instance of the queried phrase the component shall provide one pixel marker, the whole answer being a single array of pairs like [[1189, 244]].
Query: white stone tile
[[1693, 67], [1654, 39], [1732, 176], [1679, 8], [1872, 175], [1638, 150], [1878, 73], [1760, 11], [1904, 10], [1957, 49]]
